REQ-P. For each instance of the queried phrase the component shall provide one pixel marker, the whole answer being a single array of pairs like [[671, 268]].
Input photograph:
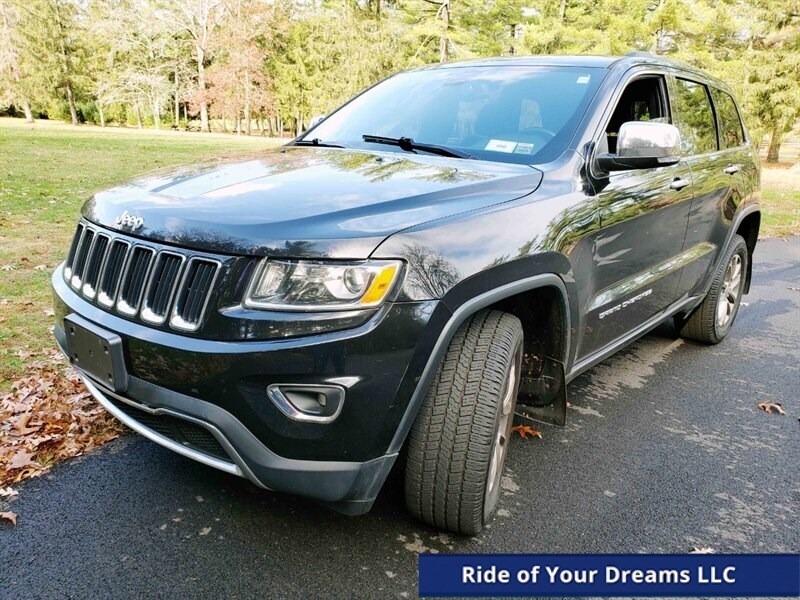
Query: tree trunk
[[774, 145], [73, 111], [26, 107], [156, 115], [445, 26], [186, 115], [247, 103], [562, 12], [139, 123], [201, 84], [176, 95], [102, 115]]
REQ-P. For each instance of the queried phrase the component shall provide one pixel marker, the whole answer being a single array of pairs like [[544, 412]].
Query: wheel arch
[[748, 227], [547, 290]]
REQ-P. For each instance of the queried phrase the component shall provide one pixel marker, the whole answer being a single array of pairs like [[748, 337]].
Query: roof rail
[[642, 54]]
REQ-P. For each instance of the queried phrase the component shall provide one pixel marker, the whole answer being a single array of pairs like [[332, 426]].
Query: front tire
[[713, 319], [459, 441]]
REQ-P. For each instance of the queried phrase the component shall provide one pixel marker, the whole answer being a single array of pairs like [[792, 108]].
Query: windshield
[[507, 113]]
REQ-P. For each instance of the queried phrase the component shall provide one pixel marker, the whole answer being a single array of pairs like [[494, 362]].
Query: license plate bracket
[[96, 352]]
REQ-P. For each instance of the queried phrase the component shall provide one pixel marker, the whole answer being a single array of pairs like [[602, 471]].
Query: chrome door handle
[[731, 169], [680, 183]]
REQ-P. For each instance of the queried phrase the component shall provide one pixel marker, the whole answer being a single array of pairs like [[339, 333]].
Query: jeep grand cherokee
[[447, 249]]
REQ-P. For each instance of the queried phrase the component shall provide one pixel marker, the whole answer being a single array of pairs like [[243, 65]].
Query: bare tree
[[199, 18]]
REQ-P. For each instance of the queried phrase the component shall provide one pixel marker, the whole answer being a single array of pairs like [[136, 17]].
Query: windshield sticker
[[523, 148], [501, 146], [583, 79]]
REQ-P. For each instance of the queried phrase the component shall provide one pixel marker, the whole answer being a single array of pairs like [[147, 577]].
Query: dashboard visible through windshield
[[508, 113]]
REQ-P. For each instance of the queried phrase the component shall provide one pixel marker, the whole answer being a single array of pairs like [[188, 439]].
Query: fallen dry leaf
[[40, 268], [8, 268], [772, 408], [9, 516], [22, 428], [705, 550], [526, 430], [8, 493]]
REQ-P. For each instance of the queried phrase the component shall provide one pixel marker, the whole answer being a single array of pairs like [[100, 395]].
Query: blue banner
[[639, 575]]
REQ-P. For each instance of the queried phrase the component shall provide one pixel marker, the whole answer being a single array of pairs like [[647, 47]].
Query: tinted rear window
[[694, 117], [507, 113], [731, 133]]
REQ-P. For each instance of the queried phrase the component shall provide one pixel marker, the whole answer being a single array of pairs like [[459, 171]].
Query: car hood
[[305, 202]]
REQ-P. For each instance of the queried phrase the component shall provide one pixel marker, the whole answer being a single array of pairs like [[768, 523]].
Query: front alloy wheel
[[458, 444]]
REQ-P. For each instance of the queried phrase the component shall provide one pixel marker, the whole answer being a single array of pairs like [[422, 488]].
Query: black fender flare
[[734, 227], [457, 318]]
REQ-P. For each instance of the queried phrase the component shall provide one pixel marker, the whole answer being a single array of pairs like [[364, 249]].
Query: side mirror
[[315, 120], [643, 145]]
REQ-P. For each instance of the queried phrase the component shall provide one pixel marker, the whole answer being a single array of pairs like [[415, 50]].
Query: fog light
[[307, 403]]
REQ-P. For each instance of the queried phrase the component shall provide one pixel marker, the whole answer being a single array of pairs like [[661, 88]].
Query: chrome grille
[[133, 278], [72, 249], [112, 269], [161, 289], [139, 280], [80, 257], [197, 282], [95, 261]]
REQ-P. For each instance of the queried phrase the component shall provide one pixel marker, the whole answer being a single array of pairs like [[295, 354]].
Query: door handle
[[680, 183], [731, 169]]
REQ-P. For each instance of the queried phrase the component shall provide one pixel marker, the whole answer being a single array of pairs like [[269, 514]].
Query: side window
[[642, 100], [731, 133], [694, 117]]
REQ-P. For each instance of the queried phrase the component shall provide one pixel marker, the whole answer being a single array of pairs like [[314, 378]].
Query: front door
[[637, 253]]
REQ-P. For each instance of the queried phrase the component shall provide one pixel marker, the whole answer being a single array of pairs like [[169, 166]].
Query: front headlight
[[310, 285]]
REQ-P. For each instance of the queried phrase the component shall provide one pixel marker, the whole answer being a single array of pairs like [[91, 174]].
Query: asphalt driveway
[[664, 451]]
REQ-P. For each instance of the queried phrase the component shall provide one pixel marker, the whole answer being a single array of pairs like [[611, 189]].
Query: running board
[[544, 398]]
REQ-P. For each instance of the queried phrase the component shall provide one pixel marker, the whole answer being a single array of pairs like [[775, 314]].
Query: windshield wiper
[[410, 145], [316, 142]]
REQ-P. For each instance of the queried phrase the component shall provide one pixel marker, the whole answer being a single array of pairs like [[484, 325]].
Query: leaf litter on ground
[[48, 416]]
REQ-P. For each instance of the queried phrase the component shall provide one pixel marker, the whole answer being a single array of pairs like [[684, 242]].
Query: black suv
[[447, 249]]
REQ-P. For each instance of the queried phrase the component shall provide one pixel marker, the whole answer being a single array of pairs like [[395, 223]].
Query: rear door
[[712, 138]]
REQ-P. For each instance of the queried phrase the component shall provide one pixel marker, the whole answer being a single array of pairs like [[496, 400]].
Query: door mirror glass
[[643, 145]]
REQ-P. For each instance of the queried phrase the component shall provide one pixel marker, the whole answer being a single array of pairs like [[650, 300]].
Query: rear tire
[[458, 443], [713, 319]]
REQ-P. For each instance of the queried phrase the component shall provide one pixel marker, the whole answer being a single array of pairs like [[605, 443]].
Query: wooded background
[[268, 66]]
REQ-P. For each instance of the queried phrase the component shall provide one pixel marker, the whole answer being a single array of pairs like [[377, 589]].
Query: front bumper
[[207, 399]]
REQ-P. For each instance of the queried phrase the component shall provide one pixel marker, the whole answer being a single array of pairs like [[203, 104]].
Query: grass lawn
[[780, 200], [47, 171]]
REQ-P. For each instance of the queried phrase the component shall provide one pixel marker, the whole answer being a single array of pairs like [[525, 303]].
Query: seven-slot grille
[[136, 279]]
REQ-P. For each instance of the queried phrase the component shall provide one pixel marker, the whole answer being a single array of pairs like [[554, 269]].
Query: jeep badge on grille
[[128, 220]]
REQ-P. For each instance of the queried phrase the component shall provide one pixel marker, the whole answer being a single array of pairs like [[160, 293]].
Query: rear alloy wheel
[[713, 319], [458, 444]]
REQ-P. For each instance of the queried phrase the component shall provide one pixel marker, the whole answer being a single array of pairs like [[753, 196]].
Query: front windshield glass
[[506, 113]]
